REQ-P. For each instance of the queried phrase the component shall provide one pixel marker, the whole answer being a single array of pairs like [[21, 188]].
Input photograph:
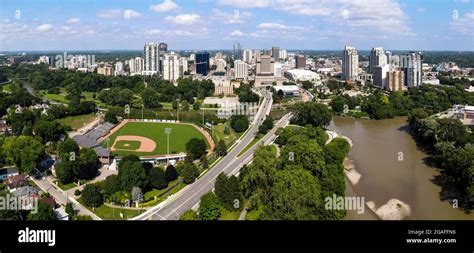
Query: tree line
[[450, 145]]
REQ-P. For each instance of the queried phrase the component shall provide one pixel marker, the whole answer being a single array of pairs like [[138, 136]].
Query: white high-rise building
[[241, 70], [118, 69], [283, 54], [411, 65], [247, 56], [350, 63], [151, 58], [377, 58], [183, 65], [220, 65], [171, 67], [136, 65], [278, 69]]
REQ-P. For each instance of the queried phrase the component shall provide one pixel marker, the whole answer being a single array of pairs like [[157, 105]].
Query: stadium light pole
[[202, 116], [177, 109], [168, 132]]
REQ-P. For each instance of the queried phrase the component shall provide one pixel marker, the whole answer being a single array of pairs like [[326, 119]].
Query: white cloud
[[183, 33], [128, 14], [277, 26], [246, 3], [464, 24], [153, 32], [166, 6], [237, 33], [110, 14], [170, 34], [236, 17], [183, 19], [44, 28], [383, 16], [116, 13], [73, 21]]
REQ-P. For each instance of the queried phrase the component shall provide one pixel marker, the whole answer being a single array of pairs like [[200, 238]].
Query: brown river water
[[376, 153]]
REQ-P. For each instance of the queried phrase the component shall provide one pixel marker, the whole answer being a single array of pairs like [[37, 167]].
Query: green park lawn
[[220, 135], [109, 213], [180, 135], [79, 121], [61, 97], [66, 187], [229, 215]]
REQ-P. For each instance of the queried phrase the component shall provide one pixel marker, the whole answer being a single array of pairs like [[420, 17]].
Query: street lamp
[[168, 132]]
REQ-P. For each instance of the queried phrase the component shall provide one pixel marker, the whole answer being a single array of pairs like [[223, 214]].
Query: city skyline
[[208, 25]]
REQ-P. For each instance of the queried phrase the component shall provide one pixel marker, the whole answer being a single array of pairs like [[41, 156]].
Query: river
[[391, 166]]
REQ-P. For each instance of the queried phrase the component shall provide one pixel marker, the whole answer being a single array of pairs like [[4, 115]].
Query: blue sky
[[217, 24]]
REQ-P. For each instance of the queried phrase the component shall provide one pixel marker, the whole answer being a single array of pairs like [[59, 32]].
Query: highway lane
[[190, 195]]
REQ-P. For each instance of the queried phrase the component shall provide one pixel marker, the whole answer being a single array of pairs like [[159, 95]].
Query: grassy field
[[180, 134], [7, 87], [228, 215], [253, 142], [109, 213], [220, 135], [61, 97], [79, 121], [66, 187]]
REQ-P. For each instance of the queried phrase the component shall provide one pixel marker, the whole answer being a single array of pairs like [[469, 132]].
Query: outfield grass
[[180, 135], [79, 121]]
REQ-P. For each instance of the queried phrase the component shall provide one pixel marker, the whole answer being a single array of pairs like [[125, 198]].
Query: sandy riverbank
[[394, 209]]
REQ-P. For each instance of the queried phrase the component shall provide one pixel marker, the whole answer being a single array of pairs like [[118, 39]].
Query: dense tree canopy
[[209, 207], [451, 144], [189, 173], [44, 213], [312, 113], [23, 151], [228, 192], [239, 123], [157, 178], [91, 196], [131, 174], [195, 148]]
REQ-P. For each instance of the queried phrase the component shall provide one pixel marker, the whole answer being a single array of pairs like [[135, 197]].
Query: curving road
[[190, 196]]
